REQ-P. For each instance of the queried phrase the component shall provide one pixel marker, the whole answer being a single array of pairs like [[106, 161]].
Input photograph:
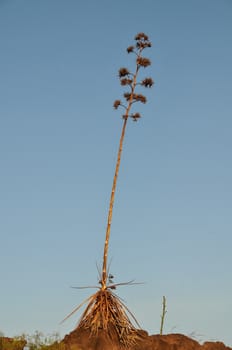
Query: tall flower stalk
[[105, 310], [128, 79]]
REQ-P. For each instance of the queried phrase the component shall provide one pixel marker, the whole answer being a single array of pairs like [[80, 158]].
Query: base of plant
[[106, 312]]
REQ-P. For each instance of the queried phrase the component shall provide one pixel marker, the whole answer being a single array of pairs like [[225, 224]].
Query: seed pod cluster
[[130, 79]]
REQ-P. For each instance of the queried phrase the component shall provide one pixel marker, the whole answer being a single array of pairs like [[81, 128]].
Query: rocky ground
[[9, 343], [81, 340]]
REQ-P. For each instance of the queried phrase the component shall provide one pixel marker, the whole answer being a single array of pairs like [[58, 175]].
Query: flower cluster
[[117, 103], [135, 116], [130, 49], [143, 62], [141, 37], [127, 78], [142, 41], [134, 97], [147, 82], [123, 72], [126, 81]]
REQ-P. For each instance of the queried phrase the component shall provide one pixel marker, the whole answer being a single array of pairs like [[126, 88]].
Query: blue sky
[[58, 142]]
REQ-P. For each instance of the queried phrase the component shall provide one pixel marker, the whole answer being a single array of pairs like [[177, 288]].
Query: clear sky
[[59, 137]]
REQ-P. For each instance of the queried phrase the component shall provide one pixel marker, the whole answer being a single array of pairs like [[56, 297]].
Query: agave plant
[[105, 310]]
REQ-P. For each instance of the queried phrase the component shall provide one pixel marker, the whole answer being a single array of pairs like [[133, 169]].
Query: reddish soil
[[6, 343], [81, 340]]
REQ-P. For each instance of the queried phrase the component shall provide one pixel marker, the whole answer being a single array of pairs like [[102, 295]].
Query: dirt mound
[[11, 344], [214, 346], [181, 342], [82, 340]]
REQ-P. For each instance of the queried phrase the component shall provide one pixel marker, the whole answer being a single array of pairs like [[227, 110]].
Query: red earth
[[6, 342], [82, 340]]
